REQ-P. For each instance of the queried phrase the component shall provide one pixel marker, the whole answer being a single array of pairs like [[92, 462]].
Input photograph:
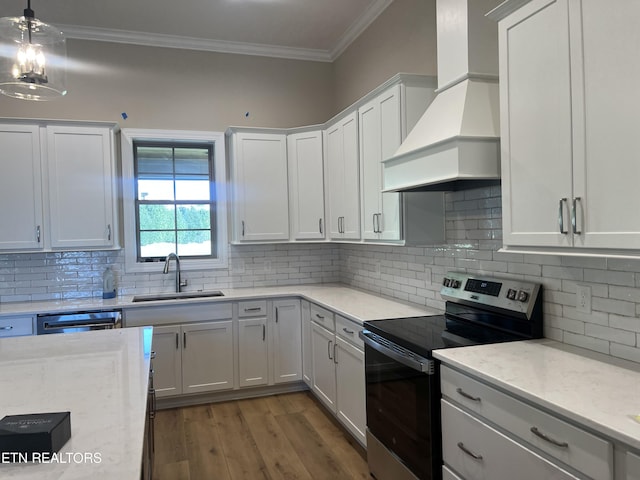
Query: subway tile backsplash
[[413, 274]]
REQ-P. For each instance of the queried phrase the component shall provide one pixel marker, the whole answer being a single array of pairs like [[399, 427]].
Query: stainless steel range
[[403, 379]]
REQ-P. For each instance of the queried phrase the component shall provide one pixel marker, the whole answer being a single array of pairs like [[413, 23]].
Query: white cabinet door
[[287, 341], [535, 112], [380, 134], [253, 366], [207, 357], [259, 182], [351, 396], [307, 371], [605, 67], [341, 156], [324, 369], [21, 188], [80, 171], [306, 182], [633, 466], [167, 378]]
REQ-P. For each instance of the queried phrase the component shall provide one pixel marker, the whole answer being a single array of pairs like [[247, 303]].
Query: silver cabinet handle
[[335, 357], [184, 340], [276, 314], [561, 216], [329, 349], [375, 230], [547, 438], [264, 332], [38, 233], [320, 226], [469, 452], [253, 309], [467, 395], [319, 316], [243, 228], [8, 327], [347, 331], [574, 214], [153, 354], [109, 232], [177, 340]]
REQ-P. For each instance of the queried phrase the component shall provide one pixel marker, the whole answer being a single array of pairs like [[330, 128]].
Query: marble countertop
[[101, 377], [352, 303], [595, 390]]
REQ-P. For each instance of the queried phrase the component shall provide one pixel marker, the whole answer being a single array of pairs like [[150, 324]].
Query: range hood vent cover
[[456, 143]]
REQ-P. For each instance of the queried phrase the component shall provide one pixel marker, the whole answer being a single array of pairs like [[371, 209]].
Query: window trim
[[217, 139]]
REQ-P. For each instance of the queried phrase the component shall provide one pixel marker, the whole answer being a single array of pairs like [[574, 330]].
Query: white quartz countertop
[[101, 377], [592, 389], [352, 303]]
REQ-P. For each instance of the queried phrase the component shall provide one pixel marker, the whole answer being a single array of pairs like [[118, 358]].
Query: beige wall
[[182, 89], [402, 39]]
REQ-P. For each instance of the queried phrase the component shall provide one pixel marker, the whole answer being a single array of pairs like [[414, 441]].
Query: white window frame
[[217, 139]]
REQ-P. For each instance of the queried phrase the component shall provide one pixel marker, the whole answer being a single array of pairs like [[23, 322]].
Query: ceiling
[[317, 30]]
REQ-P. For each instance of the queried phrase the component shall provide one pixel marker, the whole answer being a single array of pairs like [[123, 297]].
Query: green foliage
[[192, 221]]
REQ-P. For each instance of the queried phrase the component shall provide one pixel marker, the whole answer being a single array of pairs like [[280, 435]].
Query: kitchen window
[[174, 199]]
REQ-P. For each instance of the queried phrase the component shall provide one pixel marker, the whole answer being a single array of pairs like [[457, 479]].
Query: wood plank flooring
[[285, 436]]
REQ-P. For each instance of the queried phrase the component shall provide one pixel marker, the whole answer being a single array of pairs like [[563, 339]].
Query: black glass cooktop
[[421, 335]]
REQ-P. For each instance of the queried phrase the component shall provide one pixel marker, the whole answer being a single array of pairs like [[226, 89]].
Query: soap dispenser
[[108, 284]]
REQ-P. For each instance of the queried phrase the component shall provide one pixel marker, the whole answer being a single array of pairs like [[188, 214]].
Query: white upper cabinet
[[380, 136], [59, 191], [570, 111], [306, 182], [341, 154], [21, 188], [80, 174], [258, 169]]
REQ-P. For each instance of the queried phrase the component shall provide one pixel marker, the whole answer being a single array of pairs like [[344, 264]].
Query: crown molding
[[359, 26], [221, 46], [191, 43]]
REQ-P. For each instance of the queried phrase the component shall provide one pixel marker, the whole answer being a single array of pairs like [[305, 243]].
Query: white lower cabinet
[[632, 462], [488, 434], [307, 363], [193, 358], [338, 379], [477, 452], [287, 341], [252, 349]]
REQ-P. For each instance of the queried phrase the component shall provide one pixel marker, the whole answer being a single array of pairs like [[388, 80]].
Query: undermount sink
[[176, 296]]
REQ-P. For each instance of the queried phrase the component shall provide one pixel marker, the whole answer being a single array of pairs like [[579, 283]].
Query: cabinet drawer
[[569, 444], [349, 330], [252, 308], [322, 316], [16, 326], [478, 452]]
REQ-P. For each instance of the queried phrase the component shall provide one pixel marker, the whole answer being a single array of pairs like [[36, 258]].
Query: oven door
[[403, 414]]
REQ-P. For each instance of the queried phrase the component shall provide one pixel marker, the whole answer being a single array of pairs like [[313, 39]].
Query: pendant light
[[33, 57]]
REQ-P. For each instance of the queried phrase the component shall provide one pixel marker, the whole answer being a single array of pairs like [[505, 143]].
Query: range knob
[[512, 294], [523, 296], [454, 283], [446, 282]]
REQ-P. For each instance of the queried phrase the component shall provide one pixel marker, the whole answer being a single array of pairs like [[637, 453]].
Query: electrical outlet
[[583, 298], [376, 269], [267, 266]]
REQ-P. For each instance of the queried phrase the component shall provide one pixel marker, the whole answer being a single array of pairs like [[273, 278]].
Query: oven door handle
[[416, 362], [79, 324]]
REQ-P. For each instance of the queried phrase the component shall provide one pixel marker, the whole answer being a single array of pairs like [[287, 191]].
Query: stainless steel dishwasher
[[78, 322]]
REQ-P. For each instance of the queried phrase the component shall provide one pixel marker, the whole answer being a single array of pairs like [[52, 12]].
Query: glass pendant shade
[[33, 57]]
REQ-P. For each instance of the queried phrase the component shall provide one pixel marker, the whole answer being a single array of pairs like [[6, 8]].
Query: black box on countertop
[[23, 435]]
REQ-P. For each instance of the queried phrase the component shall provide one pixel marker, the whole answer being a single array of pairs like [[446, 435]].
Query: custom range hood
[[456, 143]]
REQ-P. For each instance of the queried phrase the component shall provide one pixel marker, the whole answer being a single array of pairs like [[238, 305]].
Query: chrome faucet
[[165, 270]]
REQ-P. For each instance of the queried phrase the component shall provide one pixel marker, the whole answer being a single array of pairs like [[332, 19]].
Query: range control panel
[[505, 293]]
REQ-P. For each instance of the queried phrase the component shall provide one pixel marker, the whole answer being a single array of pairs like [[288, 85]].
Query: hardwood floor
[[285, 436]]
